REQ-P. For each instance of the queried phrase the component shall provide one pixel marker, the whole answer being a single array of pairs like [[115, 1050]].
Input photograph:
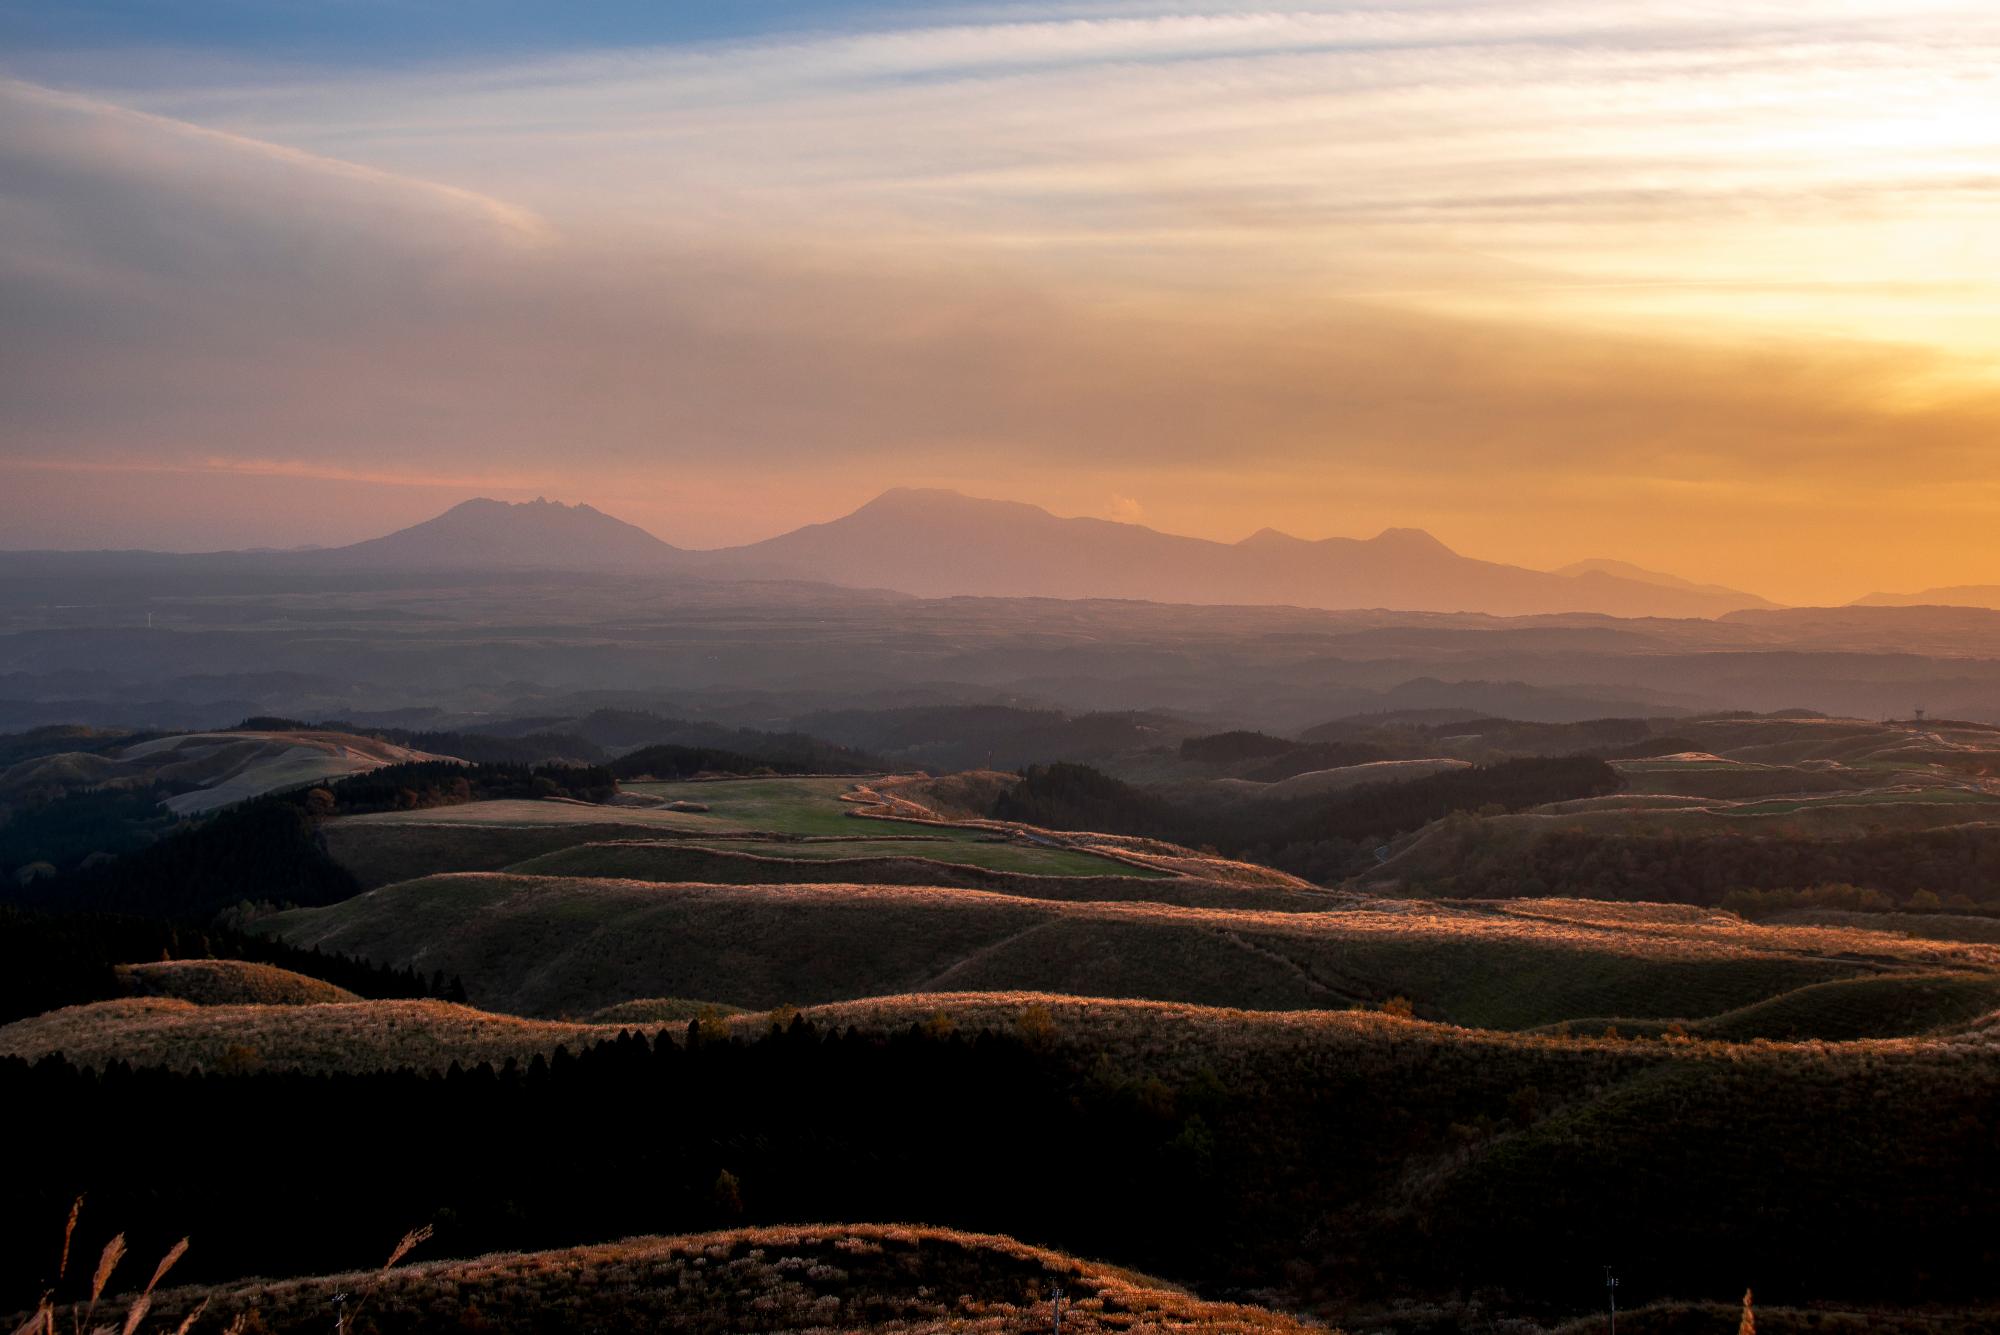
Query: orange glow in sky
[[1712, 288]]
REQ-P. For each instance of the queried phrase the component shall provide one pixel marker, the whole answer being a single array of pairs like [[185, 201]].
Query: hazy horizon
[[1705, 290]]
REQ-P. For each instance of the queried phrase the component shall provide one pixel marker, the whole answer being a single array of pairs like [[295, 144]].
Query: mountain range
[[935, 543], [941, 543], [1957, 595]]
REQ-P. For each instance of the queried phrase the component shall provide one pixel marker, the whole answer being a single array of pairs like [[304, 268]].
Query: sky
[[1712, 287]]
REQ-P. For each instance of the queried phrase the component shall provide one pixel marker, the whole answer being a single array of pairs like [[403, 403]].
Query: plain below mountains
[[932, 543]]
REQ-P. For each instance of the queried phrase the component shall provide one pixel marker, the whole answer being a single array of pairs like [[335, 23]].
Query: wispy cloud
[[1592, 266]]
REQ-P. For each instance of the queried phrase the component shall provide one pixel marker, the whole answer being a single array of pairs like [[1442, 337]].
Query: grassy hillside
[[556, 946], [804, 817], [381, 852], [215, 768], [651, 1012], [1350, 1161], [777, 806], [918, 865], [943, 803], [965, 863], [1141, 1039], [852, 1277], [1928, 926], [339, 1036], [1863, 1008], [229, 982]]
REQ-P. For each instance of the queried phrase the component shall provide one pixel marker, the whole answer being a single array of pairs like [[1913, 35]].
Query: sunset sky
[[1710, 286]]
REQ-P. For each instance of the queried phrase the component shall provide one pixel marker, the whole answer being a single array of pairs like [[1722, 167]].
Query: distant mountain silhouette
[[1626, 570], [1957, 595], [487, 534], [941, 543]]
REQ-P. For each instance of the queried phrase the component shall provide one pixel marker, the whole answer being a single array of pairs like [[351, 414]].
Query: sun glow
[[1650, 272]]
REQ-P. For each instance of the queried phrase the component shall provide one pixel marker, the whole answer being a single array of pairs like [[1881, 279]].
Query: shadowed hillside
[[538, 945], [1345, 1161]]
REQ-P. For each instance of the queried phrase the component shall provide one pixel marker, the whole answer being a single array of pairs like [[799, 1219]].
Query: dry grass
[[79, 1318], [1168, 1039], [922, 800], [352, 1036], [866, 1277], [947, 865], [1925, 926], [994, 866], [229, 766], [228, 983], [651, 1011], [562, 946], [382, 853], [1888, 1006]]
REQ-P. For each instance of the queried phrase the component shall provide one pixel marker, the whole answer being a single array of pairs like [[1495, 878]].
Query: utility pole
[[1055, 1305], [1611, 1292]]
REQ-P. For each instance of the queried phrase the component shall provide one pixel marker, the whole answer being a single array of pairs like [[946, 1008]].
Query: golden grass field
[[335, 1036], [1167, 1039], [224, 982], [849, 1277]]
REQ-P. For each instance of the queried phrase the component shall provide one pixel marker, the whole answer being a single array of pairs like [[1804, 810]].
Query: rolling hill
[[229, 982], [849, 1277], [217, 769], [552, 946], [317, 1036], [1140, 1039], [1413, 1159]]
